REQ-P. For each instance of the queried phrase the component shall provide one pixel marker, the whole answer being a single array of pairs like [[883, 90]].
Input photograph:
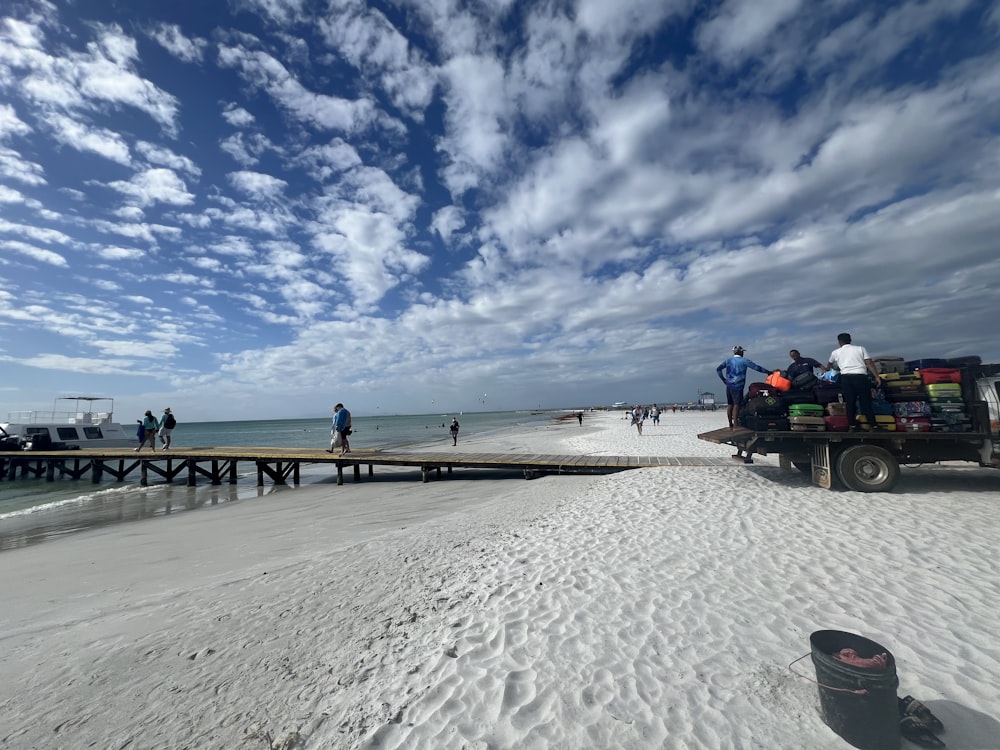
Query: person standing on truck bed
[[733, 372], [801, 365], [854, 365]]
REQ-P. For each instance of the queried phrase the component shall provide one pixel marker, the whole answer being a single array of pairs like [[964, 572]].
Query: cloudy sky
[[256, 208]]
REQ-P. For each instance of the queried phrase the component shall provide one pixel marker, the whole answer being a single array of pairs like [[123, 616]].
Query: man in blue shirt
[[733, 372], [341, 427]]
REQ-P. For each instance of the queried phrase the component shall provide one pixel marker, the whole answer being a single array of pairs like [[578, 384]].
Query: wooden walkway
[[278, 465]]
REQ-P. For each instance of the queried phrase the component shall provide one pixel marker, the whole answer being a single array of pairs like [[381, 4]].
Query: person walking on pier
[[149, 425], [167, 424], [454, 430], [341, 430]]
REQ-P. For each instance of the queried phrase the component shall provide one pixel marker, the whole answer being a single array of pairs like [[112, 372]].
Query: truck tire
[[867, 468]]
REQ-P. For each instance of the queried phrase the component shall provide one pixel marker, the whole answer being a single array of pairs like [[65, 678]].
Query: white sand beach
[[653, 608]]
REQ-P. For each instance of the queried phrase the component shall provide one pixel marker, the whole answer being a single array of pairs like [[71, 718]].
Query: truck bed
[[740, 436], [910, 447]]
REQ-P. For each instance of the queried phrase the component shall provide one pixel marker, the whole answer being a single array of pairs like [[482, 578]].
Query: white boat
[[619, 405], [74, 422]]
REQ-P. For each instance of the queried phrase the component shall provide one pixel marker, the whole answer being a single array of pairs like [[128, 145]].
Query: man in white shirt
[[854, 365]]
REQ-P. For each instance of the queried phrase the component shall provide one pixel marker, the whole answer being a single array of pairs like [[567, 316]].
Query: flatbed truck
[[870, 461]]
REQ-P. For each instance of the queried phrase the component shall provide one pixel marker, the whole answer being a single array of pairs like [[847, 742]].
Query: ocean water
[[34, 510]]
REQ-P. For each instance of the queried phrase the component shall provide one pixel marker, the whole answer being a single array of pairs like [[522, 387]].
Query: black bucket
[[858, 704]]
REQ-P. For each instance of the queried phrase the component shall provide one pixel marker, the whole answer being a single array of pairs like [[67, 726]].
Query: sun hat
[[166, 408], [738, 349]]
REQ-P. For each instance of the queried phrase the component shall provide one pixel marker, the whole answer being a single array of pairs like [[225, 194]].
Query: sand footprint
[[519, 690], [601, 690]]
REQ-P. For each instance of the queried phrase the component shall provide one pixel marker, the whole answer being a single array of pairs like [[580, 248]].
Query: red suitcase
[[913, 424], [836, 424], [940, 375]]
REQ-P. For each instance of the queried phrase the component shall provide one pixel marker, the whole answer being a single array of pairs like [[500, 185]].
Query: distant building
[[706, 400]]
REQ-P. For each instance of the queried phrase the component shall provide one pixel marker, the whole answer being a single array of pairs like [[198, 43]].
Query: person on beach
[[149, 427], [637, 417], [655, 414], [454, 430], [733, 372], [579, 417], [854, 365], [167, 424], [341, 430]]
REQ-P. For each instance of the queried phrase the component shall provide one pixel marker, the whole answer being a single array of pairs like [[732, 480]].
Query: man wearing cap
[[167, 424], [733, 372]]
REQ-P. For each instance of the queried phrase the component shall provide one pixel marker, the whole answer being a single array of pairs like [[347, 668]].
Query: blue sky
[[255, 209]]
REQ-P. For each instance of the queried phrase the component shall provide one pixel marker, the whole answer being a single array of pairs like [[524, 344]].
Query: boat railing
[[60, 417]]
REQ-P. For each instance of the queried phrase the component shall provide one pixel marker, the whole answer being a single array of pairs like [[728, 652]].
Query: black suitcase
[[766, 406], [804, 381], [916, 393], [889, 364], [827, 393], [920, 364], [960, 362], [761, 424]]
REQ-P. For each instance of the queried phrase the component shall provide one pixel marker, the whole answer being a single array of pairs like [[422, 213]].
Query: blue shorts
[[734, 395]]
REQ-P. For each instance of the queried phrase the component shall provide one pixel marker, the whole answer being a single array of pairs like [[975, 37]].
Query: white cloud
[[233, 246], [82, 365], [165, 157], [741, 27], [155, 186], [14, 167], [447, 221], [83, 137], [369, 249], [120, 253], [263, 71], [10, 123], [477, 112], [9, 195], [281, 12], [324, 161], [367, 39], [34, 252], [172, 39], [257, 185], [237, 116], [85, 80]]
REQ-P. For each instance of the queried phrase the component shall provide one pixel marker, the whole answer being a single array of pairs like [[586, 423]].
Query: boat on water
[[75, 422]]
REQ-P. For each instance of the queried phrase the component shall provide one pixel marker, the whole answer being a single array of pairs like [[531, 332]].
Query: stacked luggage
[[765, 411], [780, 404], [944, 393], [927, 394], [917, 396], [806, 418]]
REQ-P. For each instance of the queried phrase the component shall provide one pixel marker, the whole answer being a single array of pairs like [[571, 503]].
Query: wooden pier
[[220, 465]]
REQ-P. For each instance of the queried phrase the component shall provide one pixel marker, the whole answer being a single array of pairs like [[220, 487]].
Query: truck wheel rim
[[871, 470]]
